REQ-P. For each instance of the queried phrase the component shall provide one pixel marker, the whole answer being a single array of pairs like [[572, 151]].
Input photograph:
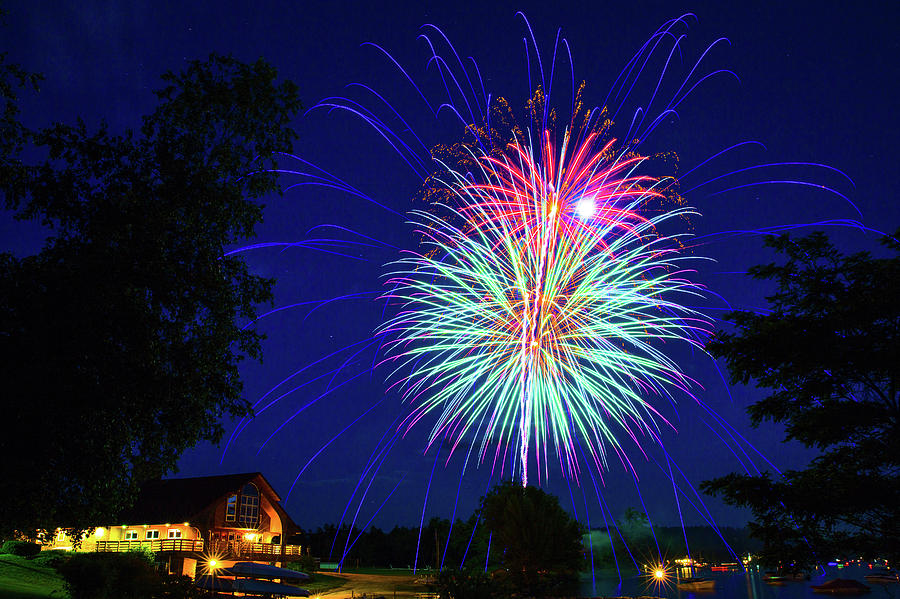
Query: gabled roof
[[181, 499]]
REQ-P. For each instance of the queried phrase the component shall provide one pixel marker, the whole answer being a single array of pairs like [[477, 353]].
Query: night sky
[[818, 83]]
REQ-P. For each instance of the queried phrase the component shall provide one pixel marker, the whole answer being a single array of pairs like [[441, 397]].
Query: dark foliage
[[397, 548], [21, 548], [829, 353], [13, 136], [535, 546], [122, 576], [308, 564], [121, 339], [453, 583], [705, 544], [51, 558], [537, 543], [108, 575], [438, 546]]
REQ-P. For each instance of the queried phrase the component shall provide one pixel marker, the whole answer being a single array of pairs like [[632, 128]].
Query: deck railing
[[233, 549], [244, 548], [154, 545]]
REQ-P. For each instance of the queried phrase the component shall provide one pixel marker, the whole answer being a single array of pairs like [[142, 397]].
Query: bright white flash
[[585, 208]]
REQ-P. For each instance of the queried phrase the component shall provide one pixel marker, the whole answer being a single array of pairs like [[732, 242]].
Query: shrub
[[21, 548], [122, 576], [51, 558], [306, 564], [179, 587], [469, 584], [144, 553], [109, 576]]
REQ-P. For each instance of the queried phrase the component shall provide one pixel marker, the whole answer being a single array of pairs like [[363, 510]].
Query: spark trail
[[535, 315], [542, 316]]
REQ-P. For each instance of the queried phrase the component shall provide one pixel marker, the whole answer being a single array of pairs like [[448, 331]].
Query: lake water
[[731, 585]]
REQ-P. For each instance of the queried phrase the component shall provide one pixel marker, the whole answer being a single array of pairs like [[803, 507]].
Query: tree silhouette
[[121, 339], [535, 541], [828, 351]]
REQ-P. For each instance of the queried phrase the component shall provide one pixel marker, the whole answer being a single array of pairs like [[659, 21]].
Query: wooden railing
[[244, 549], [235, 549], [155, 545]]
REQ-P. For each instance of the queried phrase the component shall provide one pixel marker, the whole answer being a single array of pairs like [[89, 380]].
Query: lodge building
[[190, 521]]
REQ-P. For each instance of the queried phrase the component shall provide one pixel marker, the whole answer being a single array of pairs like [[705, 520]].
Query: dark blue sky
[[818, 83]]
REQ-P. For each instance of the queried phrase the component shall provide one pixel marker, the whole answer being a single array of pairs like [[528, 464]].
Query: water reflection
[[729, 585]]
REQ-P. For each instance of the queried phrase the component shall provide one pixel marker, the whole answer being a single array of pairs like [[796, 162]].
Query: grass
[[21, 578], [322, 582], [385, 571]]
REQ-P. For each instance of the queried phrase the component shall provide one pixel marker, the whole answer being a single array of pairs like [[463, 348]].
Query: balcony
[[155, 545], [226, 550], [251, 551]]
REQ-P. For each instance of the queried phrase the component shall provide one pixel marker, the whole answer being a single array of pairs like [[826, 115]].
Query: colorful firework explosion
[[535, 315], [530, 323]]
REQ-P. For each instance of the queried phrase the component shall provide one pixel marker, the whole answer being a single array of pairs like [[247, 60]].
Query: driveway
[[374, 585]]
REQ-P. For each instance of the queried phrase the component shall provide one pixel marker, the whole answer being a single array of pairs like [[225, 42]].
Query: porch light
[[99, 532]]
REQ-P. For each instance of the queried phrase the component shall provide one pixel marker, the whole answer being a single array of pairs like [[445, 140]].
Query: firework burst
[[535, 316], [541, 320]]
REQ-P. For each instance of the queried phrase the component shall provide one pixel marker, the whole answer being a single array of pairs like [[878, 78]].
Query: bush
[[51, 558], [306, 564], [122, 576], [109, 576], [469, 584], [179, 587], [21, 548]]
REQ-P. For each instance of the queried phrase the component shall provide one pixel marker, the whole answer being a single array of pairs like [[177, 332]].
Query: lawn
[[385, 571], [21, 578], [321, 582]]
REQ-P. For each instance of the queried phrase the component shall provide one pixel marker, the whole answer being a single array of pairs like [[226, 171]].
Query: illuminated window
[[61, 536], [152, 534], [231, 508], [131, 535], [174, 533], [249, 506]]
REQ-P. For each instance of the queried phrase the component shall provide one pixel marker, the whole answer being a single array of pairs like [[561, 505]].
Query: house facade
[[194, 521]]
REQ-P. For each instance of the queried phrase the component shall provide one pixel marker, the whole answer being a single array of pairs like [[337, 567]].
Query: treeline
[[397, 547], [645, 546], [439, 546]]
